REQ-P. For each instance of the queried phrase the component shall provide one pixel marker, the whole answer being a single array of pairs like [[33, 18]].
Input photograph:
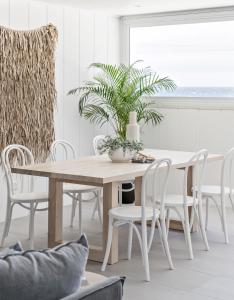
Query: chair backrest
[[66, 148], [153, 176], [16, 155], [97, 141], [226, 171], [197, 162]]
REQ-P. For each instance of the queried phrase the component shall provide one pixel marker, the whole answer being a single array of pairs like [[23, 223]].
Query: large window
[[198, 57]]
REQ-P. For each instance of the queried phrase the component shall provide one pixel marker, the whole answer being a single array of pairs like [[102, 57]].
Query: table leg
[[190, 181], [110, 200], [138, 183], [190, 193], [55, 213]]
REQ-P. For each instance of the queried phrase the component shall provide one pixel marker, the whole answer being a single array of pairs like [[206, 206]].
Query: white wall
[[84, 37]]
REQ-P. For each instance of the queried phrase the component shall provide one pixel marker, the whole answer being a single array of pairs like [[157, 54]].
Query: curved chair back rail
[[15, 155], [66, 147], [153, 175], [97, 141], [226, 171], [198, 161]]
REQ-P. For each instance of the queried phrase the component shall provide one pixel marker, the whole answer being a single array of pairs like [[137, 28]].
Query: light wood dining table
[[100, 171]]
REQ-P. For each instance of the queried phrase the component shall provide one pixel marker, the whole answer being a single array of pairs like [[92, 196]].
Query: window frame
[[173, 18]]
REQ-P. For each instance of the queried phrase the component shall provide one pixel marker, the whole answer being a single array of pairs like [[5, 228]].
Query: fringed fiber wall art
[[27, 88]]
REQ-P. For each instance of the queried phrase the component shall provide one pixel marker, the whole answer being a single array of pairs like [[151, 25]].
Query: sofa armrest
[[110, 288]]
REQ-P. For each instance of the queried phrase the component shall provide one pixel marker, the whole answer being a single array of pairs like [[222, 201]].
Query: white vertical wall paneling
[[86, 58], [113, 47], [55, 16], [113, 40], [191, 130], [37, 14], [4, 13], [19, 14], [100, 52], [71, 75]]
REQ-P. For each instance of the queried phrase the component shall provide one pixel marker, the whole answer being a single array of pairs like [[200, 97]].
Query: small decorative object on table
[[133, 129], [143, 159], [120, 150]]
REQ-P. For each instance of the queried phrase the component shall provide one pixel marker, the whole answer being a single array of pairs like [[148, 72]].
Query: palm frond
[[96, 114]]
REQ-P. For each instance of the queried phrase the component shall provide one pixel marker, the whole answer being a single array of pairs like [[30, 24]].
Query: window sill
[[194, 103]]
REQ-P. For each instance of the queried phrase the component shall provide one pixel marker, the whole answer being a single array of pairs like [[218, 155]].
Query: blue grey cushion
[[11, 250], [110, 289], [48, 274]]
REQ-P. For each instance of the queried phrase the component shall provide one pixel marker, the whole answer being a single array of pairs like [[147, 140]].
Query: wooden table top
[[99, 170]]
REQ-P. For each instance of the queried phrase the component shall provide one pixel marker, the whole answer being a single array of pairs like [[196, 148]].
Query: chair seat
[[178, 200], [132, 213], [213, 190], [29, 197], [78, 188]]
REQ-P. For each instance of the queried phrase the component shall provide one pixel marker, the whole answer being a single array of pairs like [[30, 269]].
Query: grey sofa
[[54, 274], [110, 289]]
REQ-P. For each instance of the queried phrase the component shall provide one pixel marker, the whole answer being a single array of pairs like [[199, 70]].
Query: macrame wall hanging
[[27, 88]]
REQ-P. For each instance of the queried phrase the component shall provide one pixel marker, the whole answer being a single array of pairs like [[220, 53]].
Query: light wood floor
[[209, 276]]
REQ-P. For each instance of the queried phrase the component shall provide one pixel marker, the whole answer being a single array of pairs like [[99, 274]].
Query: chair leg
[[7, 222], [153, 223], [207, 212], [202, 226], [232, 204], [108, 245], [95, 208], [73, 211], [99, 206], [168, 220], [165, 242], [187, 232], [31, 225], [10, 219], [145, 251], [160, 235], [224, 217], [80, 213], [130, 233]]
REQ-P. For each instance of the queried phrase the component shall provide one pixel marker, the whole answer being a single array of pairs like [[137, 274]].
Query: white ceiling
[[126, 7]]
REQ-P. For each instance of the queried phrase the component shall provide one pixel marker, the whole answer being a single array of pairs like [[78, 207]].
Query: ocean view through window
[[199, 57]]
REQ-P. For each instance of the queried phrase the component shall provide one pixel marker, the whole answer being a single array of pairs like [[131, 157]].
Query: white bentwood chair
[[97, 142], [220, 193], [130, 214], [184, 202], [18, 155], [76, 191]]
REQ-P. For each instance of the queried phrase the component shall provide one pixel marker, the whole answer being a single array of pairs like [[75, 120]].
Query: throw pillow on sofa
[[11, 250], [49, 274]]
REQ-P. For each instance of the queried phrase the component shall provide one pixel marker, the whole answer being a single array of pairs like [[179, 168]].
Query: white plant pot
[[121, 156]]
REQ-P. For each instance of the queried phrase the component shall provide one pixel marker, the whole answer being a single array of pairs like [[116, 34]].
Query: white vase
[[133, 129], [122, 156]]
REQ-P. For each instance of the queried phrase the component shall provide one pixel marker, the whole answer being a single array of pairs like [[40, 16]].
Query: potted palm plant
[[114, 92]]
